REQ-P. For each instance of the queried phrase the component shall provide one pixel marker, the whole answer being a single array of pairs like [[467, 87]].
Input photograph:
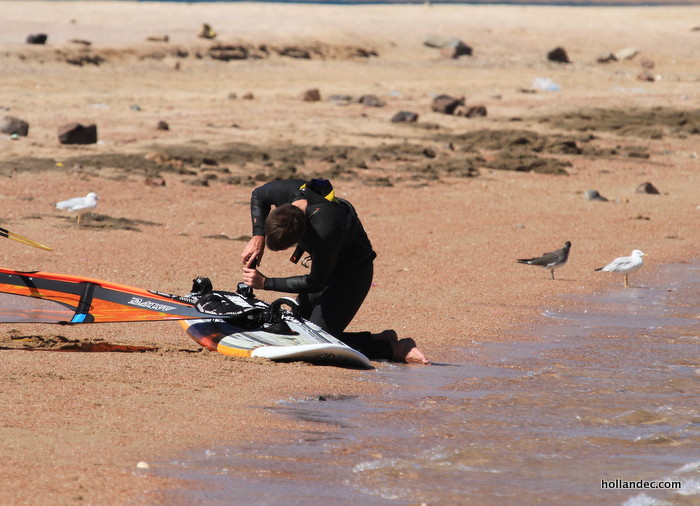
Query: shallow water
[[607, 393]]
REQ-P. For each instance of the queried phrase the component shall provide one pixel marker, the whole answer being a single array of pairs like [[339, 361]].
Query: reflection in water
[[609, 393]]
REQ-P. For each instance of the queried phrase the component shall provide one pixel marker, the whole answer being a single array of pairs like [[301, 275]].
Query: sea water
[[603, 407], [553, 3]]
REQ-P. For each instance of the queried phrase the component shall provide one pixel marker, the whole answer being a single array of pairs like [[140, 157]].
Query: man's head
[[284, 227]]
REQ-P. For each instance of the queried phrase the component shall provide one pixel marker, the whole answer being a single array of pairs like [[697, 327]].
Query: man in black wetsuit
[[308, 214]]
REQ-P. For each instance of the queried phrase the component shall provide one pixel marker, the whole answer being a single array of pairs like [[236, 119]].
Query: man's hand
[[253, 250], [253, 278]]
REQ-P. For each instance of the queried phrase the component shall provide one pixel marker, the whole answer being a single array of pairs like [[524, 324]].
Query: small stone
[[404, 117], [142, 465], [446, 104], [75, 133], [372, 101], [594, 195], [37, 38], [14, 126], [645, 75], [626, 53], [559, 55], [648, 188], [474, 111], [311, 95]]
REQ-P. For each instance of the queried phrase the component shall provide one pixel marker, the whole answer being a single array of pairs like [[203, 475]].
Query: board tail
[[42, 297]]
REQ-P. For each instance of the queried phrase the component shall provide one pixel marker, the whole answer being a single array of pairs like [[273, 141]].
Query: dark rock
[[456, 49], [446, 104], [37, 38], [645, 75], [75, 133], [475, 111], [559, 55], [14, 126], [648, 188], [311, 95], [372, 101], [404, 117], [450, 47], [162, 125]]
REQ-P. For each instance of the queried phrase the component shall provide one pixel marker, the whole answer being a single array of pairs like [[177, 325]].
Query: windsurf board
[[299, 341], [306, 343]]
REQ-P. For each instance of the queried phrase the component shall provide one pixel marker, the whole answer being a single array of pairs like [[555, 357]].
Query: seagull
[[625, 265], [552, 260], [80, 205]]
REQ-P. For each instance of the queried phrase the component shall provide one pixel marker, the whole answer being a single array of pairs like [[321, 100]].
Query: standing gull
[[80, 205], [552, 260], [625, 265]]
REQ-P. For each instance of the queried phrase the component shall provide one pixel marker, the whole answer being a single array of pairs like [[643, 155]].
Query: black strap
[[83, 308]]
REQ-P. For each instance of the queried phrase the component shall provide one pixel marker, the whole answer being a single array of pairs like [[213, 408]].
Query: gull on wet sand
[[79, 205], [552, 260], [625, 265]]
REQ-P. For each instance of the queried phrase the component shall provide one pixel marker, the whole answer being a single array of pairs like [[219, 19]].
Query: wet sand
[[442, 204]]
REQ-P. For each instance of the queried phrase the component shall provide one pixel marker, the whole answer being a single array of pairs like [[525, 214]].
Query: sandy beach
[[449, 202]]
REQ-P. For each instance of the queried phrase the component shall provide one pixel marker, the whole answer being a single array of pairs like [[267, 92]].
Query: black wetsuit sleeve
[[274, 193], [324, 242]]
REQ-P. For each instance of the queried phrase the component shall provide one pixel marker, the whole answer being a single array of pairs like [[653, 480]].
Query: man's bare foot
[[404, 350]]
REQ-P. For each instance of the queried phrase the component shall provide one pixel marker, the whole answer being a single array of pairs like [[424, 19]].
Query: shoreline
[[76, 424], [356, 437]]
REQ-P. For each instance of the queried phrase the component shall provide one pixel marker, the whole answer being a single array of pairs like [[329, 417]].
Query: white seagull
[[625, 265], [80, 205], [552, 260]]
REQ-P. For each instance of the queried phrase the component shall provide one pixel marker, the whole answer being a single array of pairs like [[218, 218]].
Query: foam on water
[[607, 393]]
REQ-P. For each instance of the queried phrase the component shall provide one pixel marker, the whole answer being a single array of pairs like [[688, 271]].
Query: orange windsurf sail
[[42, 297]]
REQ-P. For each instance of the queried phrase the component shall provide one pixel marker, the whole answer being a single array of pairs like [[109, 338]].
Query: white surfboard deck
[[307, 342]]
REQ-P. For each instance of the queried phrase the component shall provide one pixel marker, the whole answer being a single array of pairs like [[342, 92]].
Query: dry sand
[[446, 222]]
